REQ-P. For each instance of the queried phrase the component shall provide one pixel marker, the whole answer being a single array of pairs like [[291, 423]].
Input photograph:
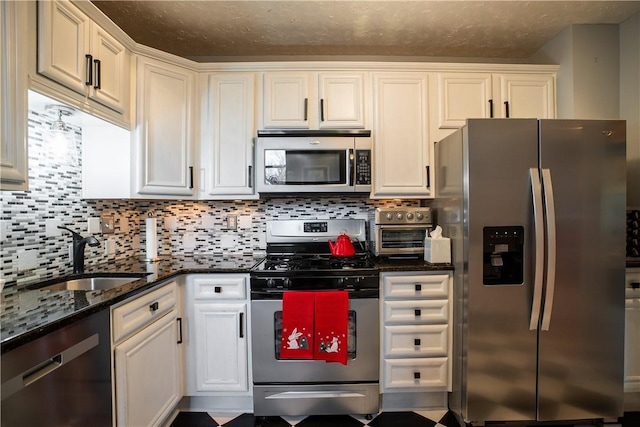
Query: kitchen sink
[[93, 282]]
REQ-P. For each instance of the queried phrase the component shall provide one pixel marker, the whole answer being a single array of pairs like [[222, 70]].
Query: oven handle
[[276, 294]]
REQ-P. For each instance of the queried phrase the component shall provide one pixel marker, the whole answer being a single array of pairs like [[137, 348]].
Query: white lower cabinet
[[416, 332], [217, 307], [147, 363]]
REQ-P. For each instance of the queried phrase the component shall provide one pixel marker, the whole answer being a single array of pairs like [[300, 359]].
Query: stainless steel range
[[299, 260]]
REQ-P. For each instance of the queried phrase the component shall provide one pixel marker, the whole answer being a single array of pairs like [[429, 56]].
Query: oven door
[[400, 239], [305, 164], [363, 347]]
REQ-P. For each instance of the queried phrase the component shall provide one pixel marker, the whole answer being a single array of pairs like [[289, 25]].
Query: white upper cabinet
[[75, 52], [226, 151], [163, 139], [286, 100], [524, 96], [13, 102], [462, 96], [341, 100], [401, 148], [309, 100]]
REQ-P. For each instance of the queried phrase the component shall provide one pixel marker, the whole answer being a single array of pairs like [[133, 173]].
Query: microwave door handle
[[351, 167]]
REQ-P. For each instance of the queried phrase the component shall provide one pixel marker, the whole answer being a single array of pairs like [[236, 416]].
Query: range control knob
[[419, 216], [389, 216], [286, 282], [271, 283], [399, 216], [409, 215]]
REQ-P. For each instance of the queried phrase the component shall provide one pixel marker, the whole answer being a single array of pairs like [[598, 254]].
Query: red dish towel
[[331, 323], [297, 325]]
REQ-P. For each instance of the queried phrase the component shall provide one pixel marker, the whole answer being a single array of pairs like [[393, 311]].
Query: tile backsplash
[[184, 227]]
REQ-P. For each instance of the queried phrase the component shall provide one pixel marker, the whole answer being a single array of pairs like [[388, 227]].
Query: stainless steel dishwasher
[[61, 379]]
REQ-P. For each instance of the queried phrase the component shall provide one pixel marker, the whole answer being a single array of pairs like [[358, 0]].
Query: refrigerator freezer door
[[499, 349], [581, 354]]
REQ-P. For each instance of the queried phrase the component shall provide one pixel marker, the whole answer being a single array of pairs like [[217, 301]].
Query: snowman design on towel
[[293, 340], [329, 347]]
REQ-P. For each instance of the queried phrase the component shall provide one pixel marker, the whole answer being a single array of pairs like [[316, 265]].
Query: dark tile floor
[[385, 419]]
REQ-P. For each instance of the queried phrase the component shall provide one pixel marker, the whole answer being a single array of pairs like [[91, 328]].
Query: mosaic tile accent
[[55, 189]]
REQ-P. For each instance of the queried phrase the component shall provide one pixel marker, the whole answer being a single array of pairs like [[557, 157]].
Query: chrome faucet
[[79, 243]]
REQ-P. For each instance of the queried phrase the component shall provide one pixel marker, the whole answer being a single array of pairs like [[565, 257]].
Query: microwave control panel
[[363, 167]]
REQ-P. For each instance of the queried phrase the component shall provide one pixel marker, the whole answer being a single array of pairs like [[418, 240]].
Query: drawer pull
[[635, 285], [154, 306], [417, 312], [179, 320], [416, 375], [418, 287], [416, 341], [217, 289]]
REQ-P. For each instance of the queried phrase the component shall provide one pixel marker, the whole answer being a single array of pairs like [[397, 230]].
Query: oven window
[[351, 330], [402, 238], [304, 167]]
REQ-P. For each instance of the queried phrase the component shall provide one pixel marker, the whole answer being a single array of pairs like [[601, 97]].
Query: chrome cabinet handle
[[536, 190], [550, 274]]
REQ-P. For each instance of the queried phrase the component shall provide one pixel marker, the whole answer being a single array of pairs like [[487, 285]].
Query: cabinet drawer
[[221, 287], [134, 315], [425, 286], [415, 341], [416, 312], [416, 373]]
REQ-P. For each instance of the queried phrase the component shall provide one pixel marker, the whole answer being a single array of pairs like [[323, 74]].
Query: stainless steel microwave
[[303, 161]]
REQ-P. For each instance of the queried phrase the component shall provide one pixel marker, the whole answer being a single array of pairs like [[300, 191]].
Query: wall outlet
[[27, 260], [232, 222], [93, 225], [51, 228], [107, 224], [109, 247]]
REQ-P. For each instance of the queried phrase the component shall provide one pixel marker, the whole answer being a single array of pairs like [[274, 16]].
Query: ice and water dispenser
[[503, 255]]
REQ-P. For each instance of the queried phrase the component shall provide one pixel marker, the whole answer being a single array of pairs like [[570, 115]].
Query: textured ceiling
[[204, 30]]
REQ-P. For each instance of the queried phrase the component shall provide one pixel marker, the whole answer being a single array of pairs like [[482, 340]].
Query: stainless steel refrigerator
[[536, 213]]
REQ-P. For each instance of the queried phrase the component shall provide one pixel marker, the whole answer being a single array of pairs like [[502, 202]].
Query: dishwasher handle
[[48, 366]]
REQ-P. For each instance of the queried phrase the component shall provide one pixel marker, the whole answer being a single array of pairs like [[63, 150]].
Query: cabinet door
[[147, 374], [287, 100], [524, 96], [14, 173], [402, 151], [221, 347], [227, 152], [341, 100], [462, 96], [63, 42], [164, 129], [632, 346], [111, 82]]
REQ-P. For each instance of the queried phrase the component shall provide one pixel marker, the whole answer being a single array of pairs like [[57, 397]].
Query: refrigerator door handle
[[550, 279], [538, 221]]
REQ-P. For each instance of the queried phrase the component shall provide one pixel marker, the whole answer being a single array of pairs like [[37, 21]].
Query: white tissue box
[[437, 251]]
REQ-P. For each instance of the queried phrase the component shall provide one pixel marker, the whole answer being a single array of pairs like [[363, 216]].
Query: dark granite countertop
[[411, 264], [27, 313]]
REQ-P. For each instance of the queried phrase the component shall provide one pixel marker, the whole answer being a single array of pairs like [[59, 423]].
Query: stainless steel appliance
[[304, 161], [61, 379], [536, 214], [401, 231], [298, 259]]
